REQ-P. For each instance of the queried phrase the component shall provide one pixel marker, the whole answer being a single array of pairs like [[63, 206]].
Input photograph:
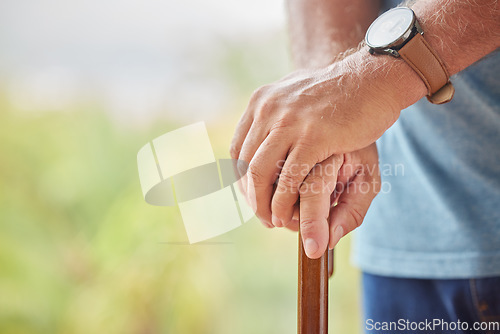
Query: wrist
[[386, 80]]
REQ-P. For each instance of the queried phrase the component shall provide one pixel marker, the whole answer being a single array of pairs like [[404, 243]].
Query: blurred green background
[[80, 250]]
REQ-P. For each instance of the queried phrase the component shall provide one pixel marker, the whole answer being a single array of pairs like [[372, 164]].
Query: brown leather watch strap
[[425, 61]]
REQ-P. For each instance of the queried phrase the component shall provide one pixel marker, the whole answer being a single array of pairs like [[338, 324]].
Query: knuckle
[[234, 151], [278, 204], [307, 226], [356, 215], [266, 106], [314, 185], [308, 146], [262, 112], [282, 123], [282, 208], [256, 94], [254, 173], [289, 181], [312, 132], [310, 129]]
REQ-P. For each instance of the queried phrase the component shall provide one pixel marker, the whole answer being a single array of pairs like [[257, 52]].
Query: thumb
[[315, 194]]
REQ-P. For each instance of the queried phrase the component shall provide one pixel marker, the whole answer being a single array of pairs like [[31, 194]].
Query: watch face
[[390, 27]]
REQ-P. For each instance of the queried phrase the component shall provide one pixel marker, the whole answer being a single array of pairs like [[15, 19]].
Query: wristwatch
[[398, 33]]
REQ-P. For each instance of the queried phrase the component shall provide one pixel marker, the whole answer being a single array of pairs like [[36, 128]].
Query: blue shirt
[[438, 214]]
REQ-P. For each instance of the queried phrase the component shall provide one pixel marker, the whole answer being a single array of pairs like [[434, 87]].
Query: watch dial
[[389, 27]]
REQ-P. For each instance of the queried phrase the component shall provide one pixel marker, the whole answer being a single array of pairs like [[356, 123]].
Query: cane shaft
[[312, 293]]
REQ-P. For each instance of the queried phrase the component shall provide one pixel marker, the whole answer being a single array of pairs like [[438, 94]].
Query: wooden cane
[[312, 317]]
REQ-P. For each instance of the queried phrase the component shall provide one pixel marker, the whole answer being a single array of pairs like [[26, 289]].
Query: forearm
[[321, 29], [461, 31]]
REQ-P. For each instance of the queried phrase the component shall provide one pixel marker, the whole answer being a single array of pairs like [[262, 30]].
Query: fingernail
[[338, 233], [277, 222], [310, 246]]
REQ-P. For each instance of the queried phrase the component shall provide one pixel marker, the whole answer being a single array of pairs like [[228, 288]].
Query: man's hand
[[302, 120], [335, 197]]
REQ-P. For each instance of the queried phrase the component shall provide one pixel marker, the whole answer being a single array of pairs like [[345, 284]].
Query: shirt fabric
[[438, 214]]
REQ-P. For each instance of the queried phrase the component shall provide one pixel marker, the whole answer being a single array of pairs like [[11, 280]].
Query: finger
[[254, 138], [293, 225], [344, 176], [291, 177], [242, 184], [352, 205], [262, 174], [250, 145], [315, 194], [240, 134], [240, 168]]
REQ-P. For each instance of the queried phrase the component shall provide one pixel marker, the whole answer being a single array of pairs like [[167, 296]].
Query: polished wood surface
[[331, 265], [313, 293]]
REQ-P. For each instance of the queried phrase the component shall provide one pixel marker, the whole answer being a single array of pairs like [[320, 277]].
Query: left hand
[[302, 120], [335, 197]]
